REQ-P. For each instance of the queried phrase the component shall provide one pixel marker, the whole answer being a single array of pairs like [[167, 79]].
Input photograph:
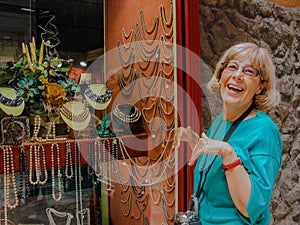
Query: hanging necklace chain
[[69, 164], [24, 188], [59, 175], [9, 171]]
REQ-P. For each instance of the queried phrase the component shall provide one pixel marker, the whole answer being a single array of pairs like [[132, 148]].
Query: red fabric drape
[[189, 98]]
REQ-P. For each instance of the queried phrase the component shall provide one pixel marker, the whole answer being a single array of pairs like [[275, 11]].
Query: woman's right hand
[[186, 135]]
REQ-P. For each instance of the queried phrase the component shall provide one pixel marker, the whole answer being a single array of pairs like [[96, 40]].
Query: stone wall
[[276, 27]]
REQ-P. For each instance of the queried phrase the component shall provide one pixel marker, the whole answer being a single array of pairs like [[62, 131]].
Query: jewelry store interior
[[89, 96]]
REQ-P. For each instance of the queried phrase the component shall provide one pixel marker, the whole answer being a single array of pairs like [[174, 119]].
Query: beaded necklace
[[126, 37], [123, 113], [153, 31], [69, 164], [9, 171], [74, 117], [129, 61], [165, 23], [58, 172], [13, 102], [98, 98], [24, 188]]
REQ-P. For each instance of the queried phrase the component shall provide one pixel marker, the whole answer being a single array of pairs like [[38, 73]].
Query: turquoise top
[[258, 143]]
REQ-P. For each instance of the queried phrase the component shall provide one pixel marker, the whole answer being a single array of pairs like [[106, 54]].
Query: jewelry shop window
[[88, 111]]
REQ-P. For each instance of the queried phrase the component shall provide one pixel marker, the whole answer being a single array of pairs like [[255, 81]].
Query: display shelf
[[130, 142]]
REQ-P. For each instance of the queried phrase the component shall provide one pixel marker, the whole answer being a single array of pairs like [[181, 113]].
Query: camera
[[189, 217]]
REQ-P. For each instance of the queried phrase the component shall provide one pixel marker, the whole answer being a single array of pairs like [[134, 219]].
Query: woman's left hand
[[205, 145]]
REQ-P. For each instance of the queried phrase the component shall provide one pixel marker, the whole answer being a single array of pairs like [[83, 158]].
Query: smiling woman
[[239, 157], [258, 58]]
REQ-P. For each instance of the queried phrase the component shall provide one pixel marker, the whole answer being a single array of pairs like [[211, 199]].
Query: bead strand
[[44, 165], [58, 172], [68, 161], [30, 166]]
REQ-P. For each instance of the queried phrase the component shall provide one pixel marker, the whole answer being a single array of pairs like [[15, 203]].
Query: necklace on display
[[69, 164], [153, 31], [128, 203], [36, 163], [127, 86], [163, 46], [36, 129], [98, 98], [97, 158], [51, 128], [44, 164], [12, 102], [126, 37], [129, 61], [162, 172], [24, 188], [58, 172], [127, 117], [165, 23], [9, 171], [78, 179], [50, 211], [72, 116], [152, 107]]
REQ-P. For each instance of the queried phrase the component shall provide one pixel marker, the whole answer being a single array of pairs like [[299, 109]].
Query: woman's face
[[240, 81]]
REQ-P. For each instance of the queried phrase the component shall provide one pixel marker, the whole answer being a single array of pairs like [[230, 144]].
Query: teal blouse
[[258, 143]]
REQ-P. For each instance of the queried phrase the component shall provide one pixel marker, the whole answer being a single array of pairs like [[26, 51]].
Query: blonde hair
[[262, 60]]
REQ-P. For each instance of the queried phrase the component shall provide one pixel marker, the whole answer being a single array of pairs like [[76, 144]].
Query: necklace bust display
[[11, 102], [98, 96], [76, 115]]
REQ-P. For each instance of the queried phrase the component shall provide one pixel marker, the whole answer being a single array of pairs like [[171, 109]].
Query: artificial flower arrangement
[[41, 78]]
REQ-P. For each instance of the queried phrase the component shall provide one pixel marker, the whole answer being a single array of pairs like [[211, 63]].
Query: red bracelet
[[232, 165]]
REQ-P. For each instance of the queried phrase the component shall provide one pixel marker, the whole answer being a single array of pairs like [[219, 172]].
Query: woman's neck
[[233, 113]]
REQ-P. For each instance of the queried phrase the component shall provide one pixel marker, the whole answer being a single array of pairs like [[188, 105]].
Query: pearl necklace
[[127, 117], [37, 167], [74, 117], [97, 157], [166, 23], [78, 189], [68, 161], [98, 98], [58, 172], [36, 129], [37, 163], [126, 37], [153, 31], [51, 128], [44, 164], [9, 170]]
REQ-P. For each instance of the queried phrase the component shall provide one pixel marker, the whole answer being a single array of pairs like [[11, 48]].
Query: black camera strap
[[225, 139]]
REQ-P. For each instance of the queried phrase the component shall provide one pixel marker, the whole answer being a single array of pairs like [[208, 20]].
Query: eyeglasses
[[250, 71]]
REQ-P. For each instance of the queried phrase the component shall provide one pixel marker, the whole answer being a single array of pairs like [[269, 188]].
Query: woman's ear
[[260, 89]]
